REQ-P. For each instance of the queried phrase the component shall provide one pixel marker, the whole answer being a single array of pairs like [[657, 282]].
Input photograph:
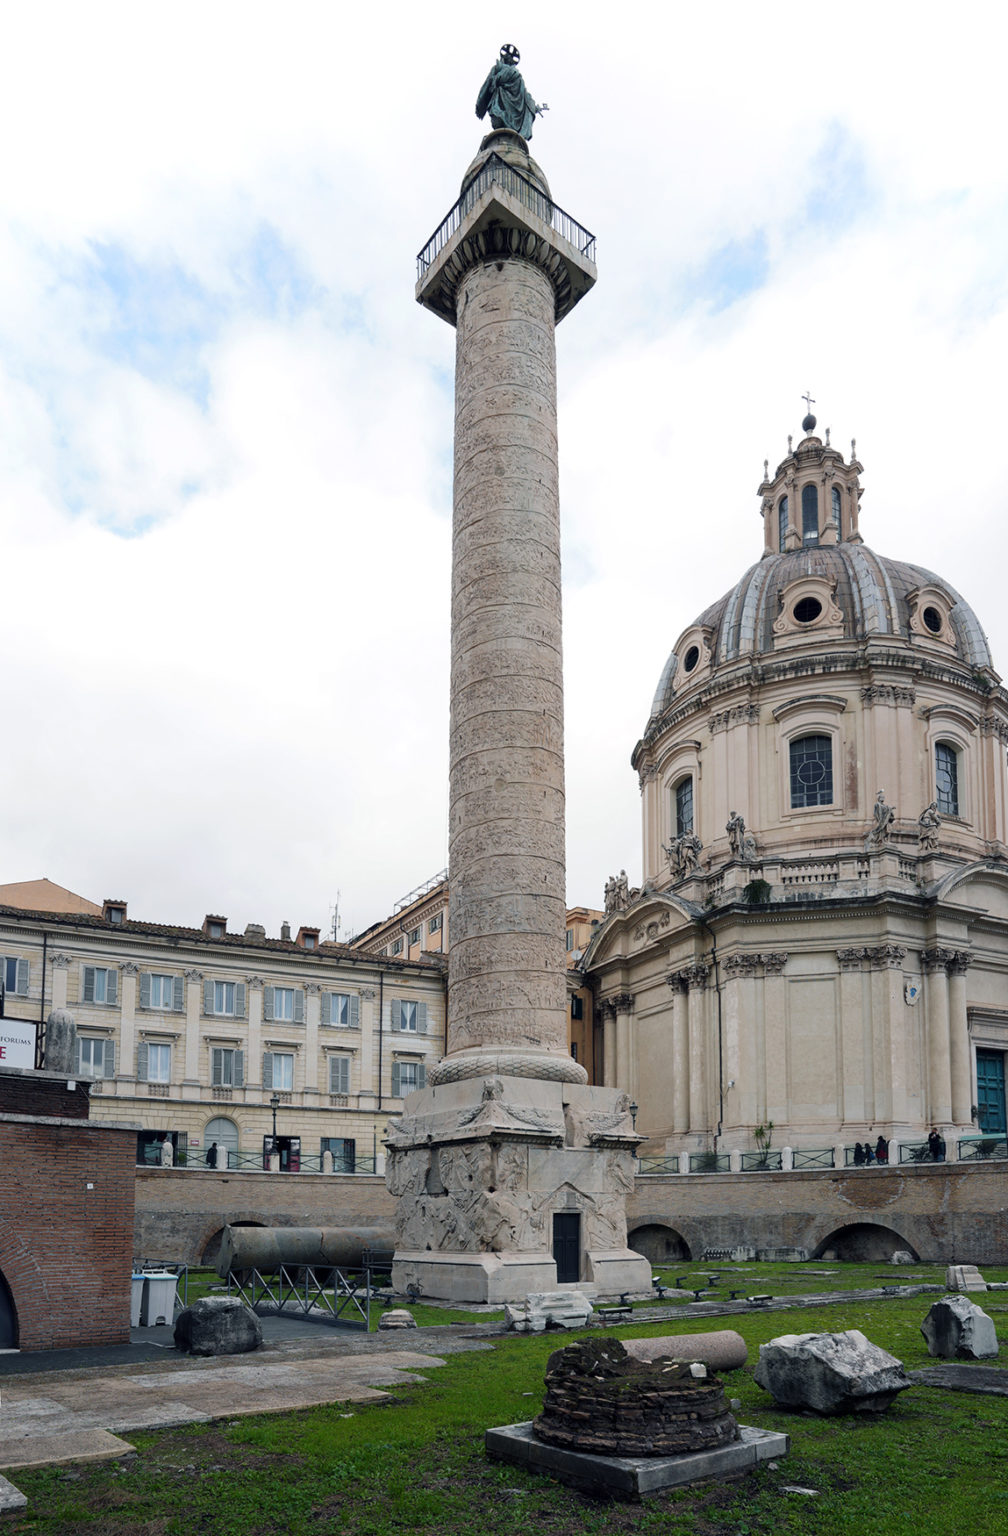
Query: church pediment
[[651, 918]]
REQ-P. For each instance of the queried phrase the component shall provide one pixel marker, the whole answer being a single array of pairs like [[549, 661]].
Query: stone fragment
[[11, 1498], [901, 1256], [830, 1372], [599, 1399], [724, 1350], [548, 1309], [956, 1328], [397, 1317], [964, 1277], [217, 1325]]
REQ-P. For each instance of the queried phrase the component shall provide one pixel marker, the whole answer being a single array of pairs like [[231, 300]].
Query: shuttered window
[[227, 1067], [285, 1005], [165, 993], [153, 1062], [100, 985], [15, 975], [407, 1076], [224, 999], [278, 1071], [95, 1058], [408, 1015], [341, 1010], [339, 1074]]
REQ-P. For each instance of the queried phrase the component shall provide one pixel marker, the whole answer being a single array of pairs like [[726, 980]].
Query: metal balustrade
[[496, 172]]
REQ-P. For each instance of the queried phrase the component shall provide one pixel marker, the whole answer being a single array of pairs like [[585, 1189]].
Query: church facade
[[820, 941]]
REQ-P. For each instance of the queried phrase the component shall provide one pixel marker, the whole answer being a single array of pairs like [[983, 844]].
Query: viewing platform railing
[[496, 172]]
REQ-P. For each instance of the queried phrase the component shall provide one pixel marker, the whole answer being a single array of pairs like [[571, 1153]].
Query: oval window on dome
[[807, 610], [933, 619], [691, 658]]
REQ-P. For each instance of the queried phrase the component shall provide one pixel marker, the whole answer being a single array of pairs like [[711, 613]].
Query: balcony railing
[[497, 173]]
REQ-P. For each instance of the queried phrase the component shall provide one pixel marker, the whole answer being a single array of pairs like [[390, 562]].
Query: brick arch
[[24, 1282], [210, 1237], [659, 1241], [865, 1242], [8, 1316]]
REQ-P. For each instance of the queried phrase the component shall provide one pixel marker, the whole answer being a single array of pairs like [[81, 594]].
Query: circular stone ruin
[[600, 1400]]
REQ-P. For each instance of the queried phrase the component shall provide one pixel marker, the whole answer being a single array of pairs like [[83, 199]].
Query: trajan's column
[[510, 1173]]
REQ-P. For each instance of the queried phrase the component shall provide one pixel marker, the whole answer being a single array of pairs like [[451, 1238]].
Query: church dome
[[872, 598], [819, 587]]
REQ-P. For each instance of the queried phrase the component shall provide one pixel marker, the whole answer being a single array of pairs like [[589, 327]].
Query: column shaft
[[507, 986]]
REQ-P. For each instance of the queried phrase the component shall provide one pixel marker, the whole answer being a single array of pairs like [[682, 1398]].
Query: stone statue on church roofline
[[504, 97]]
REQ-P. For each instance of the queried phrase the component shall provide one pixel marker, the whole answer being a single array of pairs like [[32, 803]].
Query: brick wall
[[941, 1212], [180, 1212], [43, 1093], [66, 1229]]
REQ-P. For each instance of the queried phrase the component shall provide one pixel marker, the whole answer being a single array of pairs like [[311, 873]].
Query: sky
[[226, 426]]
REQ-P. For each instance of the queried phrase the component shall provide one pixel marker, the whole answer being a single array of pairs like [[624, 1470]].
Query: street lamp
[[633, 1114], [274, 1106]]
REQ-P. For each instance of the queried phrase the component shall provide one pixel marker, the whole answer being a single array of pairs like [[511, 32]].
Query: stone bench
[[610, 1315]]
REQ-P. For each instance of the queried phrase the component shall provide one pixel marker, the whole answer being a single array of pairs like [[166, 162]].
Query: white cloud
[[208, 342]]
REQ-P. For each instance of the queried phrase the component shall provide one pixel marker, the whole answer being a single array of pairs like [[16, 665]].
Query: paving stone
[[57, 1449]]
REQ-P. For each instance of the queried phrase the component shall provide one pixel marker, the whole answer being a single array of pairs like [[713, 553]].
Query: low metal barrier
[[710, 1162], [821, 1157], [971, 1149], [768, 1161], [338, 1295]]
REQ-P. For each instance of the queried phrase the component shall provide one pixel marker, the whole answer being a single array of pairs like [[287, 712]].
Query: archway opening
[[659, 1244], [8, 1317], [211, 1252], [863, 1242]]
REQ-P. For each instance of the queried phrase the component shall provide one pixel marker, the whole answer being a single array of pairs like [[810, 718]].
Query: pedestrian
[[211, 1156], [882, 1150], [934, 1144], [859, 1155]]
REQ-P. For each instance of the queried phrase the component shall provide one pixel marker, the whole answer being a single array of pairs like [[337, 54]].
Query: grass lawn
[[936, 1461]]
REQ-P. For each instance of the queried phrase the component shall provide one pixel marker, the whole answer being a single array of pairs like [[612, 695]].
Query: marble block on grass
[[964, 1277], [957, 1329], [548, 1309], [830, 1372], [397, 1317]]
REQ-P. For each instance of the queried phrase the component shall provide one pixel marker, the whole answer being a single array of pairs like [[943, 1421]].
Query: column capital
[[130, 968], [885, 957], [254, 983], [850, 959], [937, 959], [622, 1002], [774, 961], [960, 962], [59, 960], [193, 975]]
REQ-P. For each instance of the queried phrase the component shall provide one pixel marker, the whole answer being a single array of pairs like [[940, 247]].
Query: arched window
[[835, 499], [811, 771], [782, 520], [810, 514], [684, 807], [947, 778]]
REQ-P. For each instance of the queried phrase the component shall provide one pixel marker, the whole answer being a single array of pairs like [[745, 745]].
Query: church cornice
[[870, 658]]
